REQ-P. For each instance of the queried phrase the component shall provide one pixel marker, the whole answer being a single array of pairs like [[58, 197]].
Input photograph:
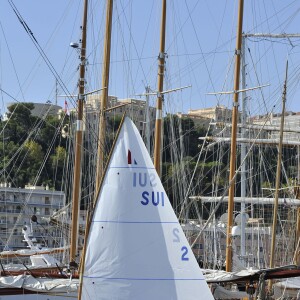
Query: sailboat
[[135, 247]]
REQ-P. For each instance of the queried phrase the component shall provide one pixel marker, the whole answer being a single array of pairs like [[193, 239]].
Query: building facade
[[134, 108], [271, 125], [40, 109], [217, 113], [17, 206], [219, 117]]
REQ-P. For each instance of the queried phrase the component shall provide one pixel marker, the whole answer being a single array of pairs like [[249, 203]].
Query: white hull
[[39, 296], [28, 287]]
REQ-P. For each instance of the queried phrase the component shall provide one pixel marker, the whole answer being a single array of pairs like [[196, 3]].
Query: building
[[210, 247], [134, 108], [271, 124], [218, 113], [199, 121], [17, 206], [219, 116], [40, 109]]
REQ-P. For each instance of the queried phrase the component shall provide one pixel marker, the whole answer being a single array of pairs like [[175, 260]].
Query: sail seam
[[131, 167], [146, 279], [135, 222]]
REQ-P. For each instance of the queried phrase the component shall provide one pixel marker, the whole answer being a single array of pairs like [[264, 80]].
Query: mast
[[233, 136], [243, 153], [147, 125], [160, 83], [278, 172], [104, 95], [297, 242], [296, 259], [78, 141]]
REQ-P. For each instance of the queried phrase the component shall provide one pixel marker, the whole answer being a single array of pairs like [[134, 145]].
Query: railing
[[12, 211], [23, 202], [9, 233]]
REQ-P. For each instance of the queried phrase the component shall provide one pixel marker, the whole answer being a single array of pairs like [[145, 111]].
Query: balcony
[[11, 211], [38, 204]]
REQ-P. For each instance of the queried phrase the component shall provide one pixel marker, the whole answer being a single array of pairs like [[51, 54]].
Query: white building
[[17, 206], [134, 108]]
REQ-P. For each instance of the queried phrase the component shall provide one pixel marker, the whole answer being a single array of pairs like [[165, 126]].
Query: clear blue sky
[[200, 46]]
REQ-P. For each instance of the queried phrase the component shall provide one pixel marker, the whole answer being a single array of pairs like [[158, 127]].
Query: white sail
[[136, 248]]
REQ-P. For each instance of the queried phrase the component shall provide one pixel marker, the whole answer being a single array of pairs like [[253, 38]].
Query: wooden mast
[[278, 172], [78, 141], [160, 83], [233, 136], [296, 259], [104, 96]]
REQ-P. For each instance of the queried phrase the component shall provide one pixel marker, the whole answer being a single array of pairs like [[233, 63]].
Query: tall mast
[[160, 83], [297, 240], [78, 140], [243, 152], [147, 125], [104, 96], [233, 136], [278, 171]]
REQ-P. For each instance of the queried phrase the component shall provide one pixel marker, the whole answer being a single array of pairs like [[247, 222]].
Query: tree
[[25, 141], [57, 165], [20, 122]]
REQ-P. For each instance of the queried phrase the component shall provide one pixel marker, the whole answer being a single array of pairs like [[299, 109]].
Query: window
[[47, 200], [198, 246], [47, 211]]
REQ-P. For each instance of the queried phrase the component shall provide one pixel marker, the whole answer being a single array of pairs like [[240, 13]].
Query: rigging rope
[[40, 50]]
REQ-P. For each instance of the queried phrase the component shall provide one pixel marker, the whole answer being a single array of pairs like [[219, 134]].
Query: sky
[[200, 44]]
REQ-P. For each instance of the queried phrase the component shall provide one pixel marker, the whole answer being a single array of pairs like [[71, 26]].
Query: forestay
[[136, 248]]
